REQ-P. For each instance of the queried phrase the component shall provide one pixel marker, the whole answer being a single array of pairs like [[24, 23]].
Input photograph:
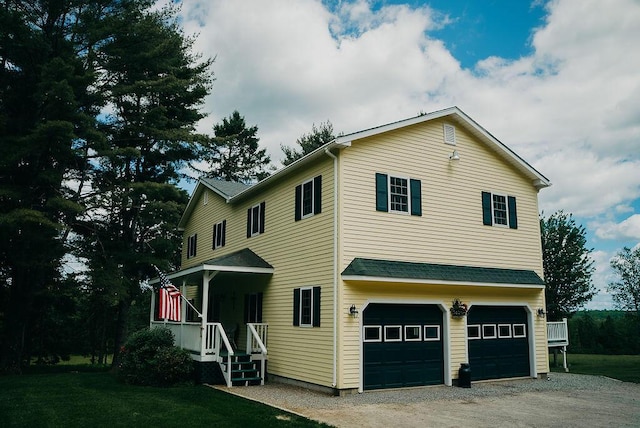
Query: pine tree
[[318, 137]]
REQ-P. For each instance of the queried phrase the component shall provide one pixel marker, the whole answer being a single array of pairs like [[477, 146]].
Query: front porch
[[221, 315]]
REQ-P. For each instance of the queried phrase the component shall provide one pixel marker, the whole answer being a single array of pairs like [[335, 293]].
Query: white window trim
[[313, 200], [191, 247], [391, 210], [431, 339], [524, 331], [371, 327], [406, 336], [488, 336], [479, 331], [444, 136], [255, 220], [493, 216], [386, 327], [218, 228], [502, 336], [302, 289]]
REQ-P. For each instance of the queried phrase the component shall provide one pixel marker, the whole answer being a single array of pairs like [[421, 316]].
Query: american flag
[[169, 298]]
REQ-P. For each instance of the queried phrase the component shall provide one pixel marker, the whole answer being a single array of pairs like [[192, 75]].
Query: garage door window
[[393, 333], [473, 332], [519, 331], [504, 331], [431, 332], [412, 333], [489, 331], [373, 333]]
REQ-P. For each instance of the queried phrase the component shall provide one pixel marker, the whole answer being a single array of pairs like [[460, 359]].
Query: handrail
[[256, 337]]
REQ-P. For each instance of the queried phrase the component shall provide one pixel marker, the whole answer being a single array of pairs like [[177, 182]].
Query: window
[[473, 332], [205, 198], [504, 331], [219, 232], [306, 307], [519, 331], [431, 333], [393, 333], [255, 220], [488, 331], [398, 194], [449, 134], [253, 307], [412, 333], [499, 210], [308, 198], [192, 245], [373, 333]]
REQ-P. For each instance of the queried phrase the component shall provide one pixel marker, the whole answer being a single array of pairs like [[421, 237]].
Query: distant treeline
[[604, 332]]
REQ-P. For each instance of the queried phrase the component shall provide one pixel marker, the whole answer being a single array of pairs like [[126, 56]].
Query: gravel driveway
[[565, 400]]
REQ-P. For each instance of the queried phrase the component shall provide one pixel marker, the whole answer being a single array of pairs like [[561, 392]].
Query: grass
[[622, 367], [97, 399]]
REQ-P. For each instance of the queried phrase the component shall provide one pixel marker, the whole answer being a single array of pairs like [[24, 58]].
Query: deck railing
[[187, 335], [558, 333]]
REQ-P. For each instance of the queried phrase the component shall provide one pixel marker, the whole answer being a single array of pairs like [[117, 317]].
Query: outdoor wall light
[[455, 156], [541, 312], [353, 311]]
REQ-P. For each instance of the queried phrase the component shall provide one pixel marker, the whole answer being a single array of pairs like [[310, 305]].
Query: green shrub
[[149, 358]]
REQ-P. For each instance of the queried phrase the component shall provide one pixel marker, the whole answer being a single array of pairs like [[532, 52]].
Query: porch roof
[[374, 270], [242, 261]]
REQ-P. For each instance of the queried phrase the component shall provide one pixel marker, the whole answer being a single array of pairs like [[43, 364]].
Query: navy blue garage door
[[402, 345], [498, 342]]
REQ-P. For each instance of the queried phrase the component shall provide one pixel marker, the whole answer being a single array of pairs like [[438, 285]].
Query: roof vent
[[449, 134]]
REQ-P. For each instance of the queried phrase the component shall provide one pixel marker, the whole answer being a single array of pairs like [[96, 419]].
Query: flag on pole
[[169, 298]]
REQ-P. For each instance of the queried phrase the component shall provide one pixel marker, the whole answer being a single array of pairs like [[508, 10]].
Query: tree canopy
[[568, 266], [318, 137], [626, 291]]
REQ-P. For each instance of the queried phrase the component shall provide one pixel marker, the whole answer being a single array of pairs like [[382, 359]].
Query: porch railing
[[187, 335], [257, 344], [558, 333]]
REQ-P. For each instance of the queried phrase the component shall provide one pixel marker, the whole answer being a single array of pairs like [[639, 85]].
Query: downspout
[[335, 265]]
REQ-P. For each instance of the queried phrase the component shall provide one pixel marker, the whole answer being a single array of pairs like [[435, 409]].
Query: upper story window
[[192, 245], [255, 220], [398, 194], [499, 210], [308, 198], [219, 234], [306, 307]]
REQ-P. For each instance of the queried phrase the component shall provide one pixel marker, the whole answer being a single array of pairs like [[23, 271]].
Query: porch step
[[244, 371]]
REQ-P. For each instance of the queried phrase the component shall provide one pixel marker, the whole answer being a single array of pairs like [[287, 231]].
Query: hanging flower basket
[[458, 309]]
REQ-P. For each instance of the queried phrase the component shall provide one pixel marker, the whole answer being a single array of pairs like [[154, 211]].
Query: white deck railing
[[187, 335], [557, 333]]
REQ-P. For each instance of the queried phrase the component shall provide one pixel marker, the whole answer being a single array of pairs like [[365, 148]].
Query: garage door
[[498, 342], [402, 346]]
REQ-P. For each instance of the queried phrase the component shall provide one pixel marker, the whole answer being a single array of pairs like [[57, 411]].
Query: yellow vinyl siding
[[302, 255]]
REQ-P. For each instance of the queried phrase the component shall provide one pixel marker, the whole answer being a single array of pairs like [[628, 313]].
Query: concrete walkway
[[566, 400]]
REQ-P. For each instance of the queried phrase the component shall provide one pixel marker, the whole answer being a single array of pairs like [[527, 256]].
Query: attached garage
[[498, 342], [402, 345]]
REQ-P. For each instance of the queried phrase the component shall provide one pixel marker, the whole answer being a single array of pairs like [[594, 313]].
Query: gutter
[[335, 265]]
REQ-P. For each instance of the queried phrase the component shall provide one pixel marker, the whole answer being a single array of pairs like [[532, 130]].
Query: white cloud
[[628, 228]]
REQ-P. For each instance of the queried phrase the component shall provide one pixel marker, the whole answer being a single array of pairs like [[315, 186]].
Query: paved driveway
[[566, 400]]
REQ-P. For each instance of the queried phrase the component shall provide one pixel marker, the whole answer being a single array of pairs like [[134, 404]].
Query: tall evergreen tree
[[318, 137], [568, 266], [233, 153]]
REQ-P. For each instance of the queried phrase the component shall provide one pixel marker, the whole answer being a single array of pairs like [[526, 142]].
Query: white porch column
[[153, 305], [206, 278]]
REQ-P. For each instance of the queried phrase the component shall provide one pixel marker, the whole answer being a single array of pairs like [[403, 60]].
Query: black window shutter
[[249, 223], [224, 232], [316, 306], [262, 205], [188, 246], [317, 195], [298, 215], [513, 215], [296, 307], [259, 304], [416, 197], [247, 305], [195, 244], [382, 203], [486, 209], [213, 243]]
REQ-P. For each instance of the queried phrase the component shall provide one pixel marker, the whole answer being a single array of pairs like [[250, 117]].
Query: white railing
[[187, 335], [257, 343], [558, 333]]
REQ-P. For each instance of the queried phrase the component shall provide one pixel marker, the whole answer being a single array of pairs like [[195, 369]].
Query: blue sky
[[557, 81]]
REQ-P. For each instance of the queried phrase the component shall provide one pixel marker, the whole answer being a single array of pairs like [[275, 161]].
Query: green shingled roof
[[242, 258], [225, 188], [429, 271]]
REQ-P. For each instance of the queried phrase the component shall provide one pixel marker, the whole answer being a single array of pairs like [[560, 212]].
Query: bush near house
[[149, 358]]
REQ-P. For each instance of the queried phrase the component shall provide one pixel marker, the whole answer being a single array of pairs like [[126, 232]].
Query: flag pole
[[163, 278]]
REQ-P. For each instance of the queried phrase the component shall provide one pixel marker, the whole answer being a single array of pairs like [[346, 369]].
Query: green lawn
[[622, 367], [97, 399]]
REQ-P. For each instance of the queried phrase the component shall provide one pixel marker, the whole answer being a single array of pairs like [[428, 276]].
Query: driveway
[[565, 400]]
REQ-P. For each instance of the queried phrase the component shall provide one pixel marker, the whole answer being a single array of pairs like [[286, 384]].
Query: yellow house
[[341, 270]]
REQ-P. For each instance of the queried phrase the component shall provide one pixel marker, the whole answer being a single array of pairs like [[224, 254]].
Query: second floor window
[[219, 234], [398, 194], [499, 210], [255, 220], [192, 245], [308, 198]]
